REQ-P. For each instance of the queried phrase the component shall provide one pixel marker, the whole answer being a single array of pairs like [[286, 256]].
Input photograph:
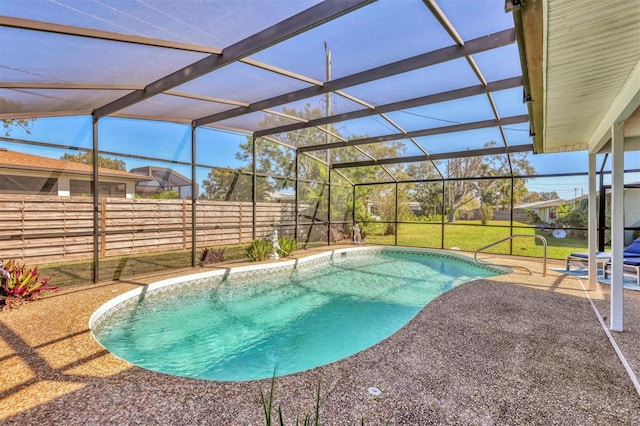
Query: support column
[[617, 227], [395, 233], [443, 211], [254, 186], [512, 200], [593, 222], [329, 204], [194, 198], [96, 203], [297, 199], [353, 205]]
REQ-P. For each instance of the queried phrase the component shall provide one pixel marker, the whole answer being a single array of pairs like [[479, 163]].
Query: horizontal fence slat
[[45, 229]]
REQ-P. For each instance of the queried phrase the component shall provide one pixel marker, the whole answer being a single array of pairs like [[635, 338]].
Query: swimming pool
[[241, 324]]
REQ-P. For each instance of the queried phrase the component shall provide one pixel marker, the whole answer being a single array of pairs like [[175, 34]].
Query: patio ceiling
[[441, 79], [583, 71]]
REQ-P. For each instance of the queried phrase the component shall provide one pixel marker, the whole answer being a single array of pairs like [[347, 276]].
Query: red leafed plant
[[17, 282]]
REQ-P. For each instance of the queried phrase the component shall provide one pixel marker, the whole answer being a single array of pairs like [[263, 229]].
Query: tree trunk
[[451, 216]]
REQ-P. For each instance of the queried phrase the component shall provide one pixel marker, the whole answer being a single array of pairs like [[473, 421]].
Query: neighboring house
[[281, 197], [162, 179], [545, 210], [27, 174]]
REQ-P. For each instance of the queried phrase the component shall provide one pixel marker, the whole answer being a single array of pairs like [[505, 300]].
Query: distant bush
[[165, 195], [575, 218]]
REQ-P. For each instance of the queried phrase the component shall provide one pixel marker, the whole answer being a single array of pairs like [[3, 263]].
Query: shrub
[[487, 212], [575, 218], [287, 245], [259, 249], [211, 255], [19, 283], [165, 195]]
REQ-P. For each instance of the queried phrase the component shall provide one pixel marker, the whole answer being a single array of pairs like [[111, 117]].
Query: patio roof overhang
[[582, 71]]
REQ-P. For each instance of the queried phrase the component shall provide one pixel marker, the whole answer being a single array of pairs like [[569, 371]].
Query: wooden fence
[[44, 229]]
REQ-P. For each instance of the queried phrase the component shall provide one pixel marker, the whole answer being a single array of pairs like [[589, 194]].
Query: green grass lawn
[[471, 235]]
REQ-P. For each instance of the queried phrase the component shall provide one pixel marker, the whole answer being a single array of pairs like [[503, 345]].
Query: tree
[[428, 194], [462, 190], [104, 162], [23, 123], [272, 159], [228, 184], [278, 161], [489, 193], [386, 206], [548, 196], [532, 197]]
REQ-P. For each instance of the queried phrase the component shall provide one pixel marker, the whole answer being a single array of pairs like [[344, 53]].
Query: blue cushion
[[633, 249], [585, 255], [631, 261]]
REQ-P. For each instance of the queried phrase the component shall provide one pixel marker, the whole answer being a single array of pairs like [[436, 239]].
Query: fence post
[[240, 222], [103, 227], [184, 224]]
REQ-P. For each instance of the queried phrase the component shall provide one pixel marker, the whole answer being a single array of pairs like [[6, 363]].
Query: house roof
[[540, 204], [164, 174], [22, 161]]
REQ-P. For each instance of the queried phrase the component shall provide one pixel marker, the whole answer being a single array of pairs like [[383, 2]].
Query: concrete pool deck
[[513, 349]]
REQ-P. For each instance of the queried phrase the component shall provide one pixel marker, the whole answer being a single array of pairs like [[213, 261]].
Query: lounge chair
[[603, 257], [627, 262]]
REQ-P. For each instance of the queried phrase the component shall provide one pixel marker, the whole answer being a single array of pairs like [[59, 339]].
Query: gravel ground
[[516, 349]]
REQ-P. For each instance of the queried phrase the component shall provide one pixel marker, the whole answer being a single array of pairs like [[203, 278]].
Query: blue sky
[[171, 142]]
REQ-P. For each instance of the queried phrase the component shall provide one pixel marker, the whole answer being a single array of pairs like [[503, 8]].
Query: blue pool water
[[243, 328]]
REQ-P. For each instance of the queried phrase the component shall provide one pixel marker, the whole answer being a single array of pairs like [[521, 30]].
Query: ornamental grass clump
[[259, 249], [267, 405], [287, 245], [19, 283], [212, 255]]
